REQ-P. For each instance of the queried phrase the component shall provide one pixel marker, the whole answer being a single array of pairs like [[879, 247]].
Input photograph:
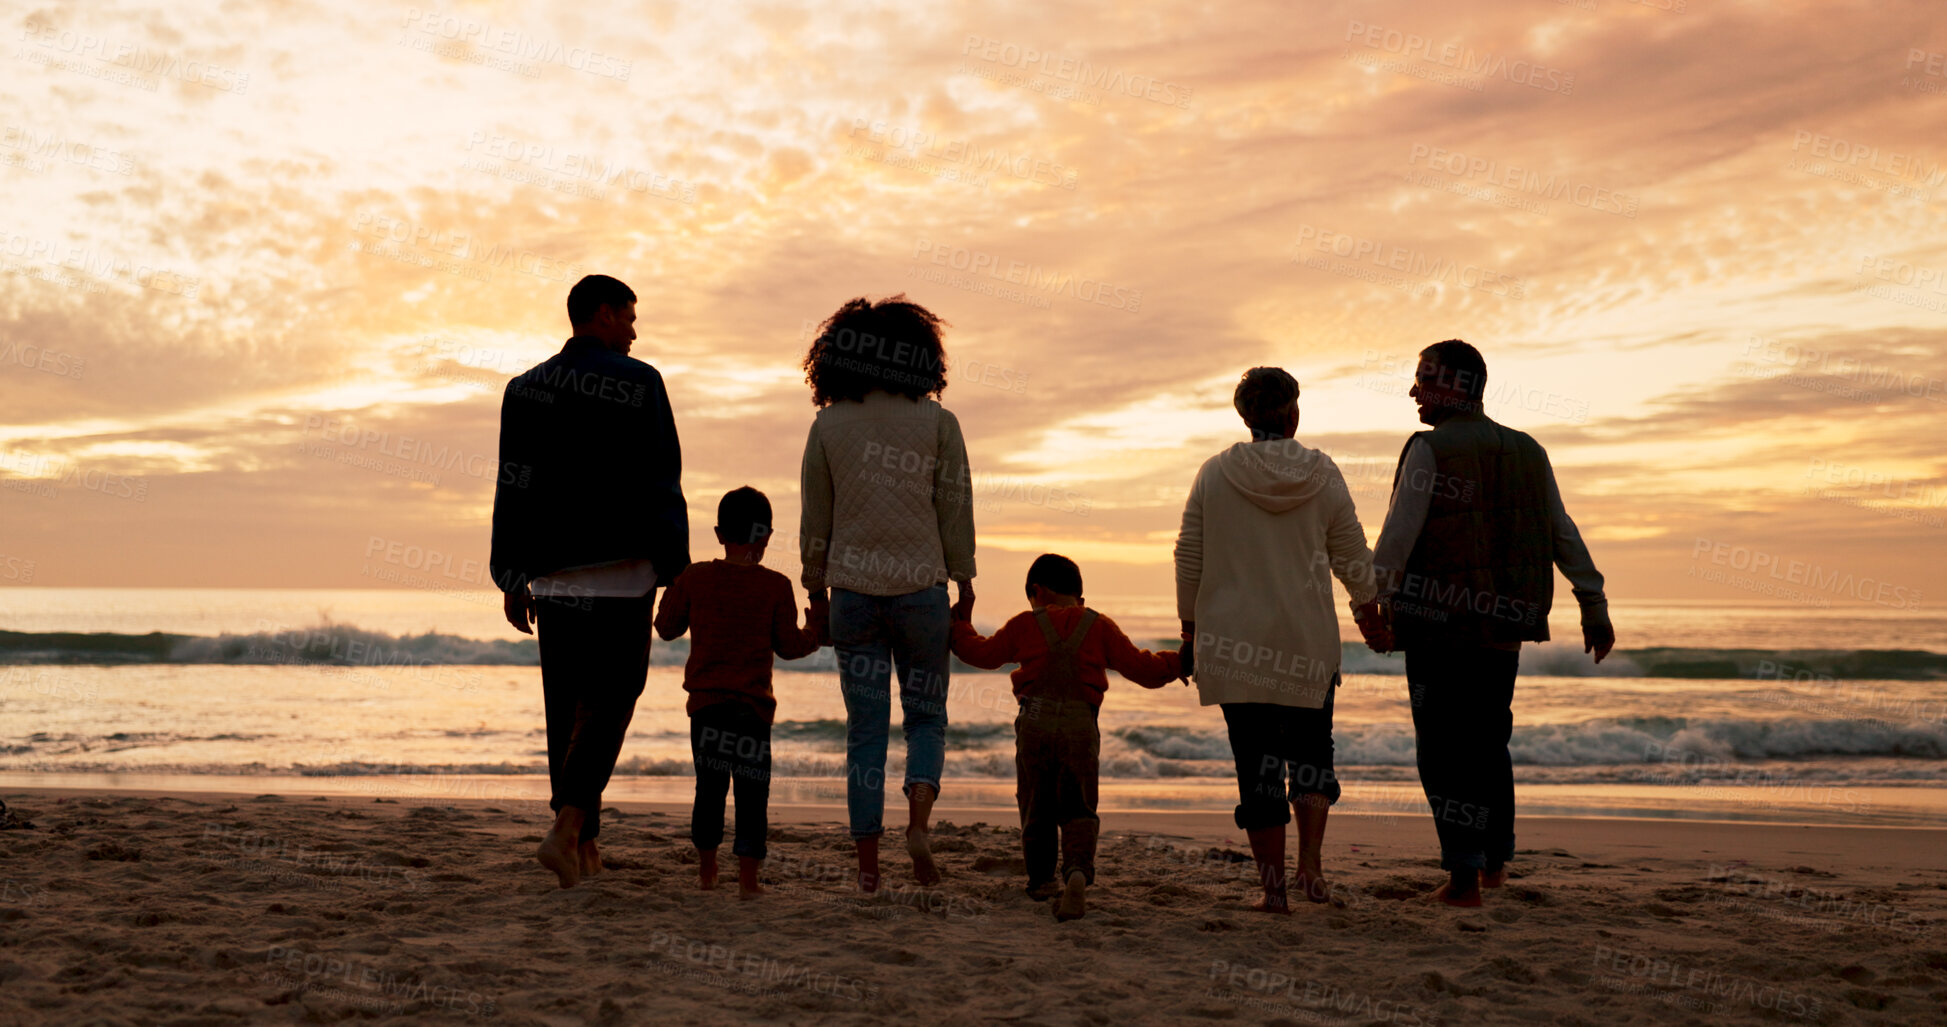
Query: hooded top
[[1267, 525]]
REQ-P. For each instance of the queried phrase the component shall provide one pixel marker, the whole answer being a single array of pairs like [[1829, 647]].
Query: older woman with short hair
[[1268, 524]]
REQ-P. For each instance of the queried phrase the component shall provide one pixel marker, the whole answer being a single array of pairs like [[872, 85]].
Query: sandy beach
[[205, 908]]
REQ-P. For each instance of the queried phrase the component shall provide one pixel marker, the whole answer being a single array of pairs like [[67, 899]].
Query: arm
[[787, 640], [673, 617], [510, 518], [1572, 557], [1146, 668], [975, 650], [1345, 542], [1405, 516], [665, 452], [953, 504], [815, 520], [1189, 555]]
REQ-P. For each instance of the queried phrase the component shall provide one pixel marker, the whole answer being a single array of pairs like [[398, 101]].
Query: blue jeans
[[873, 635]]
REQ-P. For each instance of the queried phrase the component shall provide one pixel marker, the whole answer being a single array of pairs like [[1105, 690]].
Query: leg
[[712, 783], [1261, 810], [1034, 791], [921, 625], [615, 647], [1446, 729], [1497, 728], [1081, 746], [1314, 788], [753, 784], [865, 679]]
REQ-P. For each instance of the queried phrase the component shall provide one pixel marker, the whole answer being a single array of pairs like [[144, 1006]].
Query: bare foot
[[560, 852], [1311, 883], [1494, 878], [868, 864], [1272, 903], [590, 859], [706, 869], [747, 886], [924, 869], [1461, 899], [1073, 902], [1042, 891]]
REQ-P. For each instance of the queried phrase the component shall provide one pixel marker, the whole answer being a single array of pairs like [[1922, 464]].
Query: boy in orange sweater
[[1063, 649], [738, 613]]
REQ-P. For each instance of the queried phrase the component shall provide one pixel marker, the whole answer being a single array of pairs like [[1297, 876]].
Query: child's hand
[[819, 628], [963, 606]]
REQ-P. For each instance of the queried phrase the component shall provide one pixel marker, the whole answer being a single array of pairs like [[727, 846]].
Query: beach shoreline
[[213, 907]]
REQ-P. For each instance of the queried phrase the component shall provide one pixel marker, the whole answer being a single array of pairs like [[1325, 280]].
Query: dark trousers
[[1056, 749], [1463, 697], [1282, 752], [594, 661], [731, 745]]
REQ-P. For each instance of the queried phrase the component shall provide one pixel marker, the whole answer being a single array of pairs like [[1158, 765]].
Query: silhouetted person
[[887, 520], [1267, 526], [588, 520], [1466, 565]]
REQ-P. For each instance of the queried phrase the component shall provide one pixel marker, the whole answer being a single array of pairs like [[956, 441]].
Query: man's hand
[[963, 606], [1598, 635], [519, 607], [1377, 627]]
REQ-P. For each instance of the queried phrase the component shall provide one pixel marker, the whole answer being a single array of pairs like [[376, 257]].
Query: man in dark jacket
[[1466, 568], [588, 520]]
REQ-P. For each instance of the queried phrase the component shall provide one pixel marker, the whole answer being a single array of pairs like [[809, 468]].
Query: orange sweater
[[1020, 641], [737, 616]]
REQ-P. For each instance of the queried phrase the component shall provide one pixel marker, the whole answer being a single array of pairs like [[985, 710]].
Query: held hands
[[1376, 624], [963, 606], [1598, 635], [1187, 652], [519, 608]]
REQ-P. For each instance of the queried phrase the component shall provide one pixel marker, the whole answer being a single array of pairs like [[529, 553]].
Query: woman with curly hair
[[888, 519]]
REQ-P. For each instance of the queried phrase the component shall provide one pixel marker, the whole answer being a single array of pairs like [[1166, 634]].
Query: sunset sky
[[265, 268]]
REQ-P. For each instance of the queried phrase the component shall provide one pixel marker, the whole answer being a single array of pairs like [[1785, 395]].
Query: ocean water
[[1707, 710]]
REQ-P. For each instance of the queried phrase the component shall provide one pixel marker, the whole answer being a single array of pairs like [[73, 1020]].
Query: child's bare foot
[[590, 858], [560, 852], [1494, 878], [925, 871], [868, 864], [706, 869], [1074, 902], [747, 886]]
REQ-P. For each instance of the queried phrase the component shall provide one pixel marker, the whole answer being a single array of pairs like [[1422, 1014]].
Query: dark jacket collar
[[582, 344]]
